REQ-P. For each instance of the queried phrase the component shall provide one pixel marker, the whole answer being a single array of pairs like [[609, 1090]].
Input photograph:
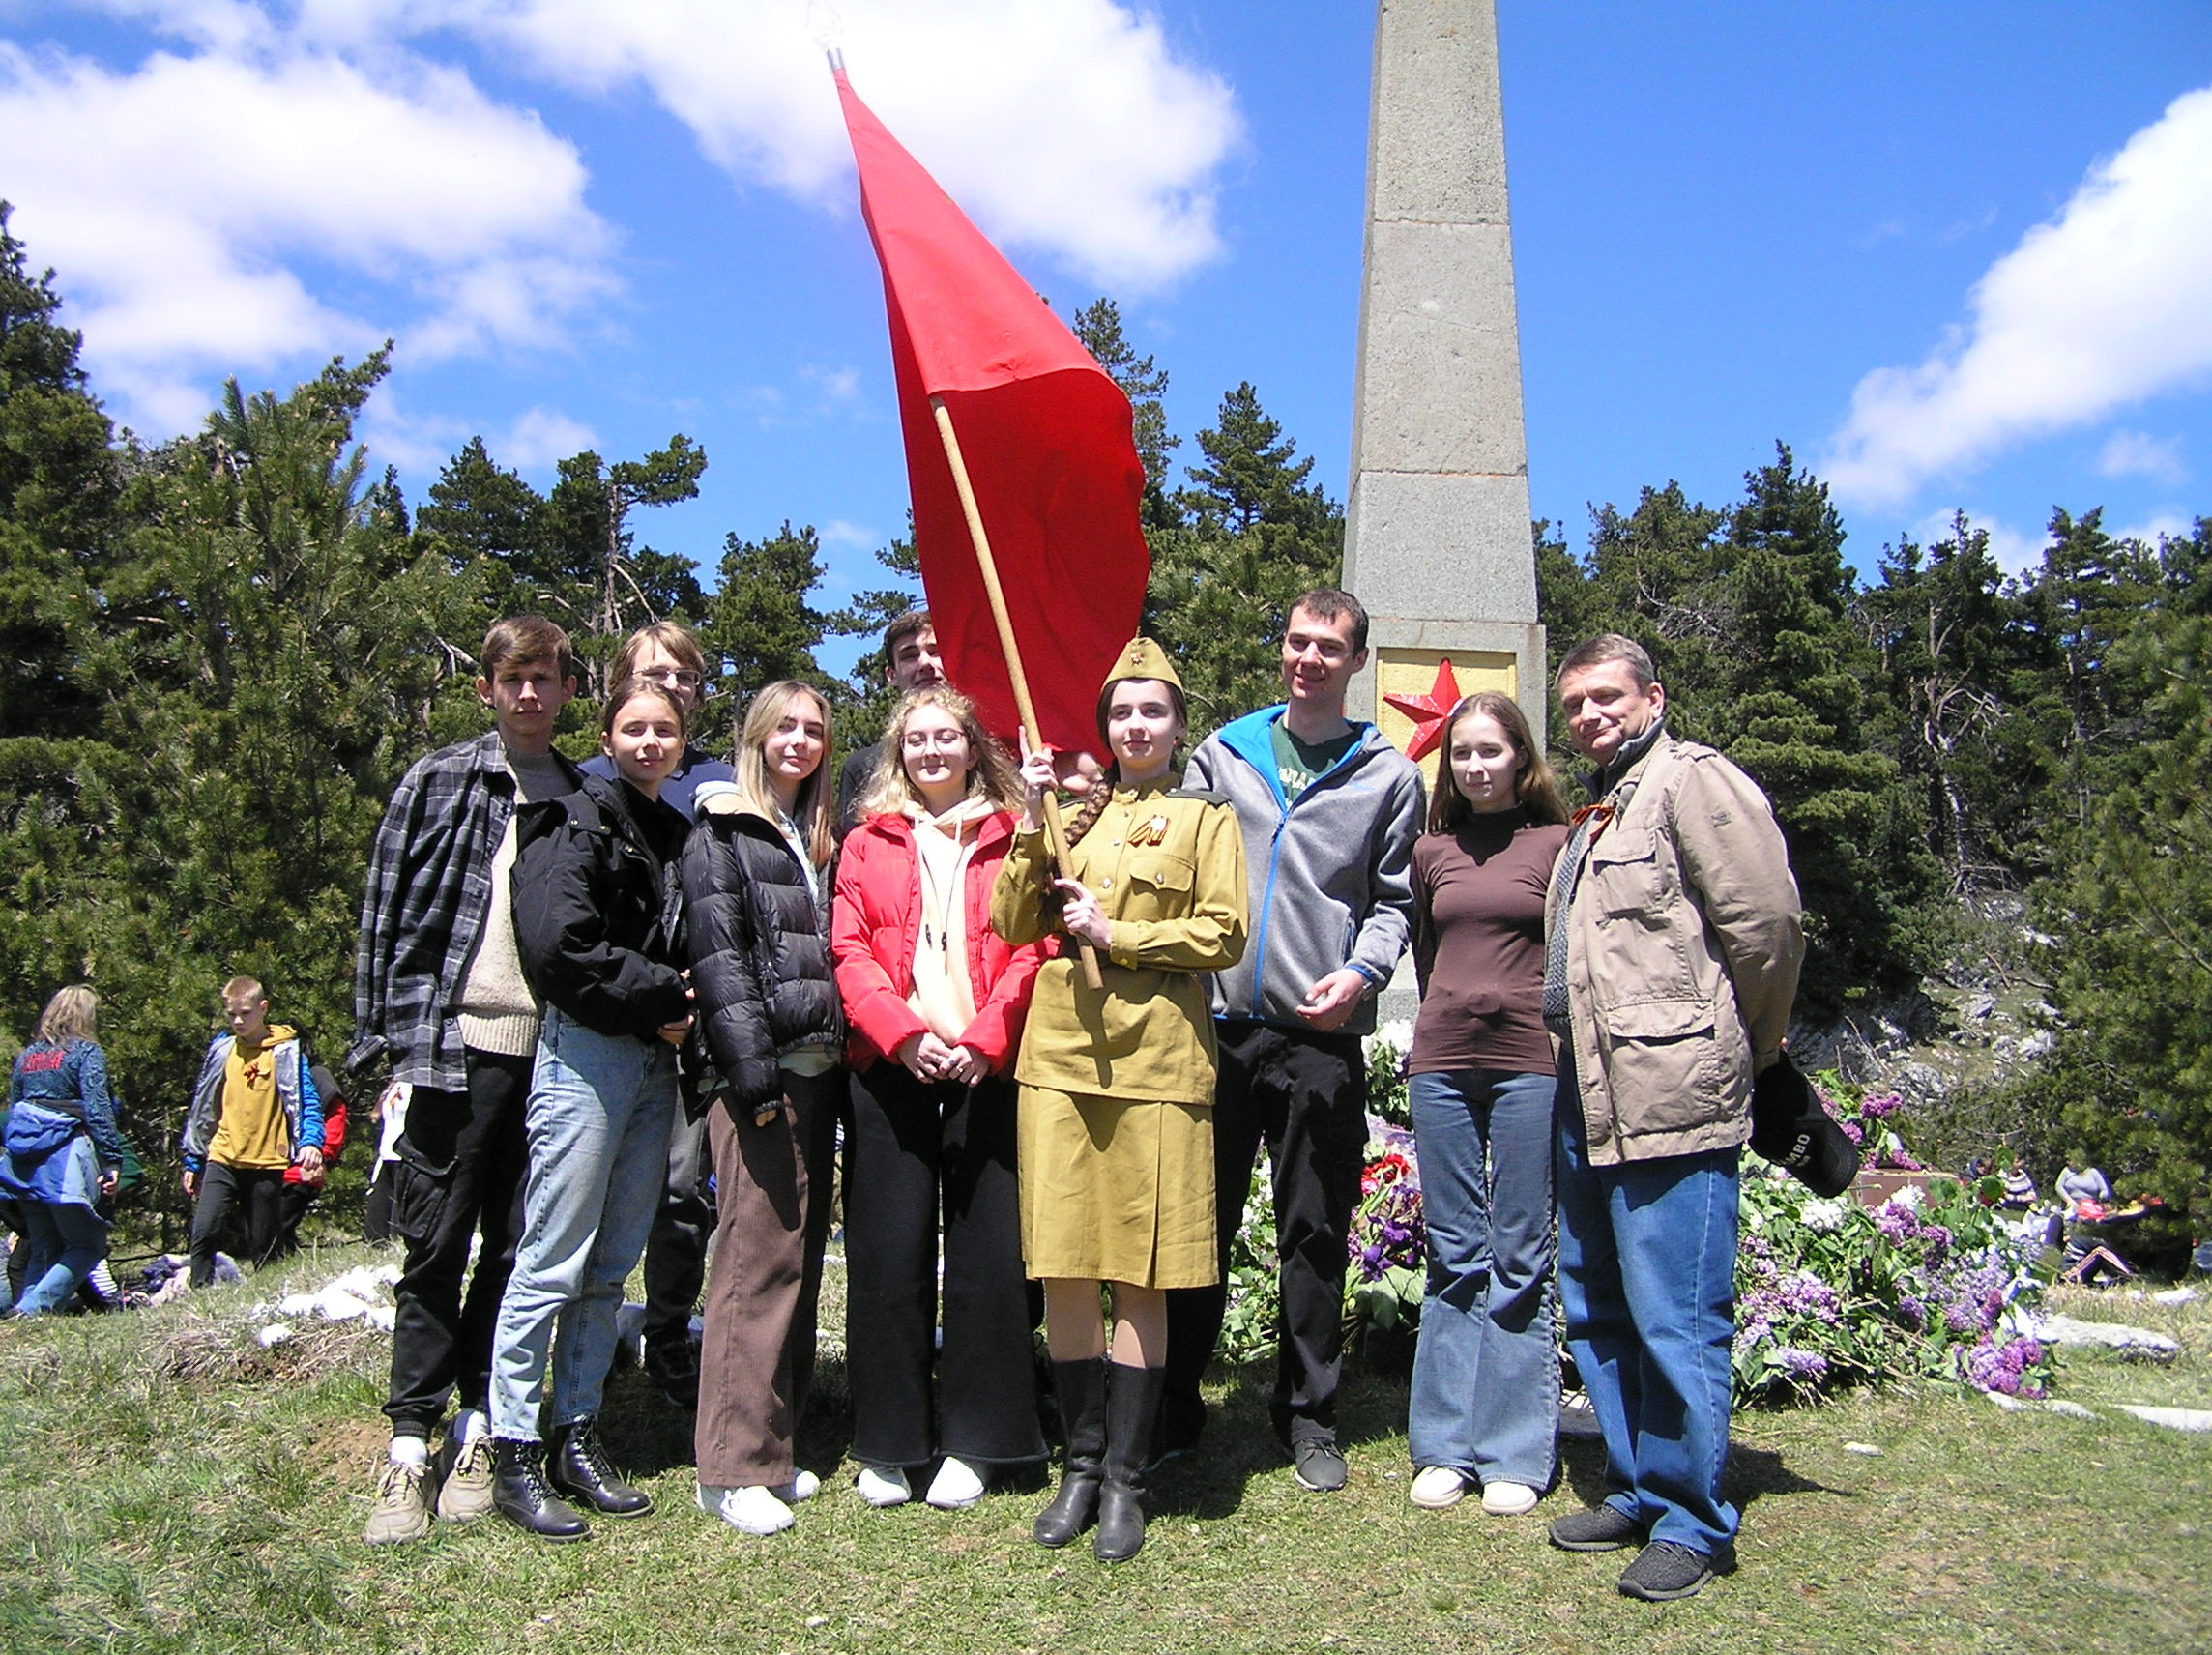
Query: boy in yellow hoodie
[[255, 1113]]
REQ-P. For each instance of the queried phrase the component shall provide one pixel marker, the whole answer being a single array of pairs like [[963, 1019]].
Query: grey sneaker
[[1316, 1465], [402, 1505], [465, 1494], [1605, 1528], [1664, 1571]]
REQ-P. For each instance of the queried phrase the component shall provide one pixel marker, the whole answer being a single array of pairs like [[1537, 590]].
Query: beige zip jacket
[[1684, 942]]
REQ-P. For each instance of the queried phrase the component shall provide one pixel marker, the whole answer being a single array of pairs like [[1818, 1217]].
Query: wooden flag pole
[[1056, 835]]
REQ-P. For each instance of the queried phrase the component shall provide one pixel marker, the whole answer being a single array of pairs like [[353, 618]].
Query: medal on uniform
[[1152, 832]]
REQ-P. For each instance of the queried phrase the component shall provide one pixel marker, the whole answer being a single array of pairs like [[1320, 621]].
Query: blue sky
[[1960, 257]]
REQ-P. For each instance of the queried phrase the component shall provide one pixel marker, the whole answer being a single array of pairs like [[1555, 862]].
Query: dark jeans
[[676, 1252], [255, 1195], [1305, 1096], [459, 1173], [291, 1208], [918, 1152]]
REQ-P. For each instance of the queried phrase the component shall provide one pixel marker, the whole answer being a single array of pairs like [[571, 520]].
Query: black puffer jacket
[[759, 943], [597, 909]]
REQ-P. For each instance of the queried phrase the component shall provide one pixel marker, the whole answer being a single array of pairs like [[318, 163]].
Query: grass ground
[[165, 1485]]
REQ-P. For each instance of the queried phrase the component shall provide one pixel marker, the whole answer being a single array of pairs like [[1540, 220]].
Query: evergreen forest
[[218, 656]]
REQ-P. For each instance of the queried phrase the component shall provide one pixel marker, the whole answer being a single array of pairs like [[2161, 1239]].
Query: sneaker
[[1664, 1571], [1606, 1528], [464, 1495], [882, 1488], [803, 1486], [1509, 1499], [1438, 1487], [956, 1486], [402, 1505], [1316, 1465], [751, 1510], [673, 1367]]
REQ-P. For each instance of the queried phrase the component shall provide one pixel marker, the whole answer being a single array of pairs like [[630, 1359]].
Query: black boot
[[1132, 1405], [519, 1492], [577, 1466], [1081, 1387]]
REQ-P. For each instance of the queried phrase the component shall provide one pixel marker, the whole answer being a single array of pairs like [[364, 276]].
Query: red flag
[[1046, 438]]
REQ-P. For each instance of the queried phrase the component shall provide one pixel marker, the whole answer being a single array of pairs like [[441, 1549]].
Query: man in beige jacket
[[1673, 941]]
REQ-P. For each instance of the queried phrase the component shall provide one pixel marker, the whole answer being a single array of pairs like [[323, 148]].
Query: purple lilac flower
[[1801, 1364], [1897, 1222], [1853, 1131], [1912, 1313]]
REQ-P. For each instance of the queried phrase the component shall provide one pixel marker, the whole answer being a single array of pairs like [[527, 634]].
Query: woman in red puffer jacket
[[934, 1000]]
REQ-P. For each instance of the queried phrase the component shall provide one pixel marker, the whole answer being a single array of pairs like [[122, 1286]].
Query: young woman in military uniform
[[1117, 1085]]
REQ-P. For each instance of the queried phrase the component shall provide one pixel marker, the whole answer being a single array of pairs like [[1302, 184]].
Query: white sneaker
[[1438, 1487], [753, 1510], [956, 1486], [881, 1489], [803, 1486], [1509, 1499]]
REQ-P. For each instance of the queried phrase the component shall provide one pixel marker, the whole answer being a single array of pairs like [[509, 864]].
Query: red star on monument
[[1429, 711]]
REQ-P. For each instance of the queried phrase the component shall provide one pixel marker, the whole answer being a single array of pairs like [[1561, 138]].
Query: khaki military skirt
[[1117, 1191]]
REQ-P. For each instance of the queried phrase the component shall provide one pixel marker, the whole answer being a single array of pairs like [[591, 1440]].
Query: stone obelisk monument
[[1436, 542]]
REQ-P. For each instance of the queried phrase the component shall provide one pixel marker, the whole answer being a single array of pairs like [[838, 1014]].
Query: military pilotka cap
[[1141, 657]]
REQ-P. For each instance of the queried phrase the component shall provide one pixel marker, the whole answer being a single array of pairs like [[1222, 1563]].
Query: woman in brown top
[[1486, 1380]]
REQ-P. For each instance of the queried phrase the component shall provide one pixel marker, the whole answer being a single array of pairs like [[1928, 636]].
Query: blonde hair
[[242, 987], [673, 638], [71, 1015], [769, 708], [1535, 789], [991, 774]]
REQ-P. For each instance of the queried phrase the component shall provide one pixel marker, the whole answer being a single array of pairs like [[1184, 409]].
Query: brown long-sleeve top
[[1478, 944]]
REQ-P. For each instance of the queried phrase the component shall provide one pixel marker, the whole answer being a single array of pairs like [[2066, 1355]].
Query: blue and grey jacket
[[295, 1089], [1331, 875]]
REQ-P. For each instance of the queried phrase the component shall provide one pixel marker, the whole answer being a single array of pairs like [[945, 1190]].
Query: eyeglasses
[[673, 677]]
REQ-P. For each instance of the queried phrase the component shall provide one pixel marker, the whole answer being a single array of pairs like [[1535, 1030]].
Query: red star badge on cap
[[1429, 711]]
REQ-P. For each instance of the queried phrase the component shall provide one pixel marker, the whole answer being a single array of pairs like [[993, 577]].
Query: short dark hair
[[1332, 603], [520, 639], [907, 625], [1610, 647]]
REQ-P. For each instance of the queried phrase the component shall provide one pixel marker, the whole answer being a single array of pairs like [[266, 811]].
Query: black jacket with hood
[[759, 943], [598, 907]]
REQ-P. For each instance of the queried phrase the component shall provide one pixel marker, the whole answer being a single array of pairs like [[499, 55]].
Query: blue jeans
[[597, 1121], [64, 1242], [1486, 1374], [1647, 1280]]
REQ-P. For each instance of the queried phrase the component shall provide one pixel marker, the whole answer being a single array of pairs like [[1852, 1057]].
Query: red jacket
[[873, 926]]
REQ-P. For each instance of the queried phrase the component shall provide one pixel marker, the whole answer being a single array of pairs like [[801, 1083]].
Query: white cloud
[[1067, 127], [851, 536], [2132, 453], [2165, 526], [2013, 551], [2109, 304], [194, 206], [421, 445]]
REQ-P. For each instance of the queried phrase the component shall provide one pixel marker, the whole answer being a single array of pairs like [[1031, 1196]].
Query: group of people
[[635, 1009]]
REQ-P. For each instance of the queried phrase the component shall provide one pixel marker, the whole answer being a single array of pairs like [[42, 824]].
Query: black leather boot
[[1132, 1405], [1081, 1389], [577, 1466], [519, 1492]]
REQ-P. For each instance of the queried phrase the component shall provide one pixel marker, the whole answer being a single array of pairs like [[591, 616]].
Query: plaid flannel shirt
[[429, 887]]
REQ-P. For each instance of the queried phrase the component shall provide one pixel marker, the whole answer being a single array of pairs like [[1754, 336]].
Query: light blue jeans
[[63, 1241], [597, 1121], [1486, 1372], [1647, 1280]]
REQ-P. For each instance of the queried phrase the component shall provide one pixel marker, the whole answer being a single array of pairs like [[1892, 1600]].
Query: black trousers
[[292, 1207], [1305, 1096], [251, 1195], [676, 1252], [459, 1175], [920, 1156]]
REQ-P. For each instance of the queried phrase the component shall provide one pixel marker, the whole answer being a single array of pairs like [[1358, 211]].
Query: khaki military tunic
[[1116, 1134]]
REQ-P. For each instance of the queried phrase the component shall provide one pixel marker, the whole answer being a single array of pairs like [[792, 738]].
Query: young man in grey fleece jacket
[[1329, 812]]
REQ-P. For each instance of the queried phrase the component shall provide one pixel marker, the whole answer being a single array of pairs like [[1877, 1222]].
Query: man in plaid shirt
[[439, 996]]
